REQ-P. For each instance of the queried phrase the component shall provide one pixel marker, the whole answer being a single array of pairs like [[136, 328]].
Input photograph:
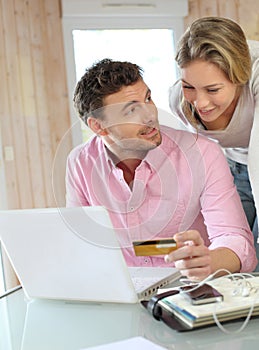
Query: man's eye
[[148, 99], [131, 110]]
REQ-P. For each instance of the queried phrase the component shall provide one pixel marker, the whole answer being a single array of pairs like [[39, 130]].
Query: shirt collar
[[153, 158]]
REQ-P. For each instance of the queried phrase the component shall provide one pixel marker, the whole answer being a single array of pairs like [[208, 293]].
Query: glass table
[[46, 325]]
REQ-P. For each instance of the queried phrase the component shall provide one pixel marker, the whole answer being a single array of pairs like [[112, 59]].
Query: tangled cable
[[242, 287]]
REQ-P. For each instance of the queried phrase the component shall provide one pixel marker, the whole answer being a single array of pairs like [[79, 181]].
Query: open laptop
[[73, 254]]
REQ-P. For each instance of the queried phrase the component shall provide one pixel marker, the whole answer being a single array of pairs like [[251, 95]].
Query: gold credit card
[[161, 246]]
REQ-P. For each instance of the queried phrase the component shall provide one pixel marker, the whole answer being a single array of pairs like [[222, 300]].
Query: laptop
[[74, 254]]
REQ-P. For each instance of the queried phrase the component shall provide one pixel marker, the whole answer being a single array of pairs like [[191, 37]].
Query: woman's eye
[[213, 90]]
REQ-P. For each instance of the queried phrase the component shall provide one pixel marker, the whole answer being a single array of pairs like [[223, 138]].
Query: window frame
[[114, 14]]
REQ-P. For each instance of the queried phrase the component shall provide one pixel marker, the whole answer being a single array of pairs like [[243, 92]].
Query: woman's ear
[[96, 126]]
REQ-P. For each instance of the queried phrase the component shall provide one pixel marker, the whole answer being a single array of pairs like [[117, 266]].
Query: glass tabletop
[[46, 325]]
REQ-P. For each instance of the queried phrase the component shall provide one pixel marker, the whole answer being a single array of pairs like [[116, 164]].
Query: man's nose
[[149, 113]]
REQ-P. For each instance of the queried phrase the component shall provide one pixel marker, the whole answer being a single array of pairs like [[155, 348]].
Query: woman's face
[[212, 94]]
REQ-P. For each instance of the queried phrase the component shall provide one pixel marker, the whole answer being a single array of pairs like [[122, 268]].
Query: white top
[[240, 139]]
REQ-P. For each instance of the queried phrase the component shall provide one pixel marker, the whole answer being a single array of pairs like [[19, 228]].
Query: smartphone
[[161, 246], [205, 294]]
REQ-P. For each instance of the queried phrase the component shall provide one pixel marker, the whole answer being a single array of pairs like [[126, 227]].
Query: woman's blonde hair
[[220, 41]]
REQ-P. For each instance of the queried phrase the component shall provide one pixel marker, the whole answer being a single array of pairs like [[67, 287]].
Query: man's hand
[[192, 257]]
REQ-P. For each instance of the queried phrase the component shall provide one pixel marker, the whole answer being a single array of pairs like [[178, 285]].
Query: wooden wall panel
[[229, 9], [57, 91], [244, 12], [12, 96], [39, 62], [249, 18], [34, 112], [29, 112]]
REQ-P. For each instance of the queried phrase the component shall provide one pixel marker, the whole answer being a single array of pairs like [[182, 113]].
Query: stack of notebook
[[235, 305]]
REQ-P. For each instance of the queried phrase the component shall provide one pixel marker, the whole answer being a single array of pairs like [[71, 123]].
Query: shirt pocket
[[163, 217]]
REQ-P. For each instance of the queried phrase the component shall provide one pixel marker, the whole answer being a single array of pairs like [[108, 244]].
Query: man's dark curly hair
[[103, 78]]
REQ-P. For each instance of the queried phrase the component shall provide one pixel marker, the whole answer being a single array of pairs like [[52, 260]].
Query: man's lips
[[149, 132]]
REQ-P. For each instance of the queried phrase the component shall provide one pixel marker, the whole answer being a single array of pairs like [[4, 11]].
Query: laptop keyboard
[[147, 280], [141, 283]]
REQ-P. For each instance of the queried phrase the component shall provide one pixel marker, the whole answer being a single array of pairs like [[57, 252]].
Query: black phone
[[204, 294]]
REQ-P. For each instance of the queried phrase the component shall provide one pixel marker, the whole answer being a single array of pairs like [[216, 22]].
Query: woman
[[218, 96]]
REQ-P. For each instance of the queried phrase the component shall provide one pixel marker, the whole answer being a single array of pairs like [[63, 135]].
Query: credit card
[[161, 246]]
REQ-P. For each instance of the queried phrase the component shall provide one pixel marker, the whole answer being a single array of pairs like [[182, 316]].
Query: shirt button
[[131, 208], [146, 260]]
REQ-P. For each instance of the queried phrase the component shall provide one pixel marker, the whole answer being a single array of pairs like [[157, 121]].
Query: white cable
[[223, 329], [201, 283], [247, 319], [236, 278]]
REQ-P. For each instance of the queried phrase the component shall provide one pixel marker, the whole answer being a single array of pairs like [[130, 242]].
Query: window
[[151, 49], [144, 31]]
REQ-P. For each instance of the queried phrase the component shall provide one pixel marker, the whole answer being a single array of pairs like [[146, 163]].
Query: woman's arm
[[253, 150]]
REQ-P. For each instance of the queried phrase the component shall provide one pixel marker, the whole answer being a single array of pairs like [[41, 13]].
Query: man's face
[[130, 119]]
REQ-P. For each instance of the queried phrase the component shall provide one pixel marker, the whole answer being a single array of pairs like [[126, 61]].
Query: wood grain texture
[[34, 110], [244, 12]]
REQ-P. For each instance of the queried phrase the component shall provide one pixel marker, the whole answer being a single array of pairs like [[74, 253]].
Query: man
[[155, 181]]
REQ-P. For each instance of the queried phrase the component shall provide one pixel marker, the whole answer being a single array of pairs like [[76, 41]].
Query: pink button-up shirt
[[185, 183]]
